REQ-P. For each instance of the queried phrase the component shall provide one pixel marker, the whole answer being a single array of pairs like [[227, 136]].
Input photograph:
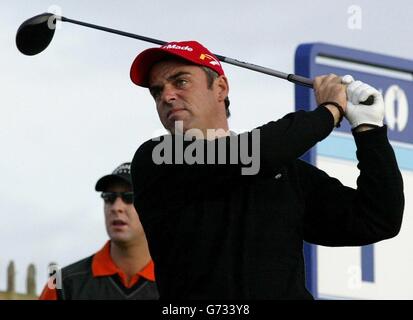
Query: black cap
[[121, 173]]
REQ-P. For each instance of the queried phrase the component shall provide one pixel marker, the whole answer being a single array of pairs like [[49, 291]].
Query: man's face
[[181, 93], [121, 219]]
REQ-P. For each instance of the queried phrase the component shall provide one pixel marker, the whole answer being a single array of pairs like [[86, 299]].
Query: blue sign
[[394, 78]]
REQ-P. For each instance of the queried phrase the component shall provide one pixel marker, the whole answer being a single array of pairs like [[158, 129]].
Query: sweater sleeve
[[337, 215], [276, 143], [290, 137], [279, 142]]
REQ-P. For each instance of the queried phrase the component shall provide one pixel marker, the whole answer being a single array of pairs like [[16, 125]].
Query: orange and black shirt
[[97, 277]]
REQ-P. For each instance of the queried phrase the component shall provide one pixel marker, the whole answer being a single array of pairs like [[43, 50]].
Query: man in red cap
[[123, 268], [201, 112], [217, 233]]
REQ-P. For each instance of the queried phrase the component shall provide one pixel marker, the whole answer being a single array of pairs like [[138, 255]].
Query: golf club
[[35, 34]]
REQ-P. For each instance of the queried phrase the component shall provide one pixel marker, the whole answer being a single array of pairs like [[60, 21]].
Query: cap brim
[[105, 181], [143, 63]]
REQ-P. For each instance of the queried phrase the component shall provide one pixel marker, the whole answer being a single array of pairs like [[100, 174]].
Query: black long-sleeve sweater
[[214, 233]]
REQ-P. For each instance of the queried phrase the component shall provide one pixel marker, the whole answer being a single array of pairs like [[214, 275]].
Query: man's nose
[[118, 205], [169, 94]]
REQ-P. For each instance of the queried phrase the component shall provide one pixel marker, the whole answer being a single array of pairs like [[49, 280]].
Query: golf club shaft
[[290, 77], [122, 33]]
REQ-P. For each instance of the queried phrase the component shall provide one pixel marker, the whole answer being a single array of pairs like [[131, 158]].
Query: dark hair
[[211, 76]]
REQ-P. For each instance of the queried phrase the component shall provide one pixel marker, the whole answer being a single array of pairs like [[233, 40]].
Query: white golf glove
[[357, 113]]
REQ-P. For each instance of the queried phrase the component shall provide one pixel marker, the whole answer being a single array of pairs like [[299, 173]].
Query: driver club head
[[35, 34]]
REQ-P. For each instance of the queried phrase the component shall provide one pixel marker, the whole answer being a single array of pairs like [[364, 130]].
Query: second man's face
[[121, 219], [181, 93]]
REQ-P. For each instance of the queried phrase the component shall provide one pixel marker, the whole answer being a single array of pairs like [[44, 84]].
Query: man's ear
[[222, 87]]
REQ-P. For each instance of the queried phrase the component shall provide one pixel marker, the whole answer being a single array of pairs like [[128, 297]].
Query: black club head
[[35, 34]]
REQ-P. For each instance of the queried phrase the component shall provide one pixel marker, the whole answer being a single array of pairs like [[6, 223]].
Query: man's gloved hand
[[358, 114]]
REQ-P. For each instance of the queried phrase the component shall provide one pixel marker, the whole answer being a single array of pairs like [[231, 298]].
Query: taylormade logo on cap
[[176, 47], [191, 51], [205, 56]]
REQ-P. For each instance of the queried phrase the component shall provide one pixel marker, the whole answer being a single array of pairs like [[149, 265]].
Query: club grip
[[369, 101], [306, 82], [302, 81]]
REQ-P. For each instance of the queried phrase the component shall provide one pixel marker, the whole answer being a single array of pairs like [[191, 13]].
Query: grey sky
[[71, 114]]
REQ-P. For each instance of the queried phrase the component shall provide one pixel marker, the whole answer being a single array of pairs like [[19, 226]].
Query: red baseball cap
[[191, 51]]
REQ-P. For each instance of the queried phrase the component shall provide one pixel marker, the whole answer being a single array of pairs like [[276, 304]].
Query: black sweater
[[214, 233]]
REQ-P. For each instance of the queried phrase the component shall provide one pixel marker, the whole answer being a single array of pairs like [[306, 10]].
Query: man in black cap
[[123, 268]]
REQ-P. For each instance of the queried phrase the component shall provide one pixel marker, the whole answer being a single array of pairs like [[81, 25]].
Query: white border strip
[[387, 72]]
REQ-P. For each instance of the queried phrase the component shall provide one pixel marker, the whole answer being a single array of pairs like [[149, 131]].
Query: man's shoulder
[[147, 147], [79, 267], [143, 158]]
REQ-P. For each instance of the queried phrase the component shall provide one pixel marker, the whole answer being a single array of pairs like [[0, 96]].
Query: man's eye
[[181, 82]]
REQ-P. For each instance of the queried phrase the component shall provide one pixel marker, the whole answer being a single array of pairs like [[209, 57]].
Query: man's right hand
[[330, 88]]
